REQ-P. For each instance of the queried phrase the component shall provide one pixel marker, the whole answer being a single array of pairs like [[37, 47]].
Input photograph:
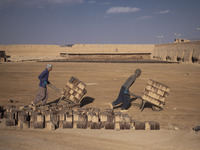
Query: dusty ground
[[18, 81]]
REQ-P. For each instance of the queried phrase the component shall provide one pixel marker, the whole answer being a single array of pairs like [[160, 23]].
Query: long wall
[[55, 50], [188, 52]]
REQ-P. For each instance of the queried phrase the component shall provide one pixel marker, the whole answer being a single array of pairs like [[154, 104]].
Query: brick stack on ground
[[53, 116]]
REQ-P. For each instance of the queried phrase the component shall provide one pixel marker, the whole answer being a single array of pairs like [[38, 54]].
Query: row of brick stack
[[60, 116]]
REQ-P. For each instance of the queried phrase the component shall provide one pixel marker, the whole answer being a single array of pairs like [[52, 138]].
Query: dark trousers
[[123, 99], [42, 95]]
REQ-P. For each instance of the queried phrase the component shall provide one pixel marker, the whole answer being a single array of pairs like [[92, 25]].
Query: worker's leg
[[119, 100], [40, 95], [44, 101], [126, 101]]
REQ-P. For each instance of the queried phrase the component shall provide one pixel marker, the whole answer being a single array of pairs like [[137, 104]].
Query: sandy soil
[[18, 81]]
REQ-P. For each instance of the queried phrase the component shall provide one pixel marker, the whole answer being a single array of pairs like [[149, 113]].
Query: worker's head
[[49, 67], [137, 72]]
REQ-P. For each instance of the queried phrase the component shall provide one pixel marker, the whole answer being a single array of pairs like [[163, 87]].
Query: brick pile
[[74, 90], [55, 116], [155, 93]]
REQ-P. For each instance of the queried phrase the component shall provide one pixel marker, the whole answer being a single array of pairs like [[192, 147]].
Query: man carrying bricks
[[123, 99], [42, 94]]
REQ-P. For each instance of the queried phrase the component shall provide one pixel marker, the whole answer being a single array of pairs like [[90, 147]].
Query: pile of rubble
[[61, 116]]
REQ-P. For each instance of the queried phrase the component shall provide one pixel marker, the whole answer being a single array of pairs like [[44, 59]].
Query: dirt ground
[[18, 81]]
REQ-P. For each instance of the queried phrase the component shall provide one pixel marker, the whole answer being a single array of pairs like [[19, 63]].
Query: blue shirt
[[43, 77]]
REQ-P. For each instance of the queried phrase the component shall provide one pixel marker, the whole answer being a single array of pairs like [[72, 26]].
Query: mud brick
[[76, 116], [48, 116], [127, 125], [34, 116], [80, 91], [76, 100], [5, 114], [71, 92], [78, 96], [55, 120], [153, 100], [82, 125], [76, 89], [10, 122], [147, 125], [23, 116], [32, 124], [10, 115], [39, 125], [71, 97], [110, 118], [157, 126], [154, 95], [95, 125], [103, 117], [62, 116], [50, 126], [69, 118], [154, 125], [95, 118], [161, 93], [126, 118], [76, 81], [151, 88], [95, 111], [117, 126], [89, 116], [24, 125], [40, 118], [75, 124], [103, 124], [109, 125], [66, 124], [118, 117], [70, 85], [82, 122], [34, 108], [122, 125], [81, 85], [110, 111], [132, 124], [139, 126]]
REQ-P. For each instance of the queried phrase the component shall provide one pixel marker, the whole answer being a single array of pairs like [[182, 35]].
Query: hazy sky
[[97, 21]]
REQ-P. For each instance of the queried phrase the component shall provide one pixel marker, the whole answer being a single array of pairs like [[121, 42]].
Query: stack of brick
[[94, 118], [24, 119], [52, 117], [39, 122], [155, 93], [11, 115], [74, 90]]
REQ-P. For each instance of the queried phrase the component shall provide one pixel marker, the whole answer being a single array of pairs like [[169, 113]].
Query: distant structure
[[181, 40]]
